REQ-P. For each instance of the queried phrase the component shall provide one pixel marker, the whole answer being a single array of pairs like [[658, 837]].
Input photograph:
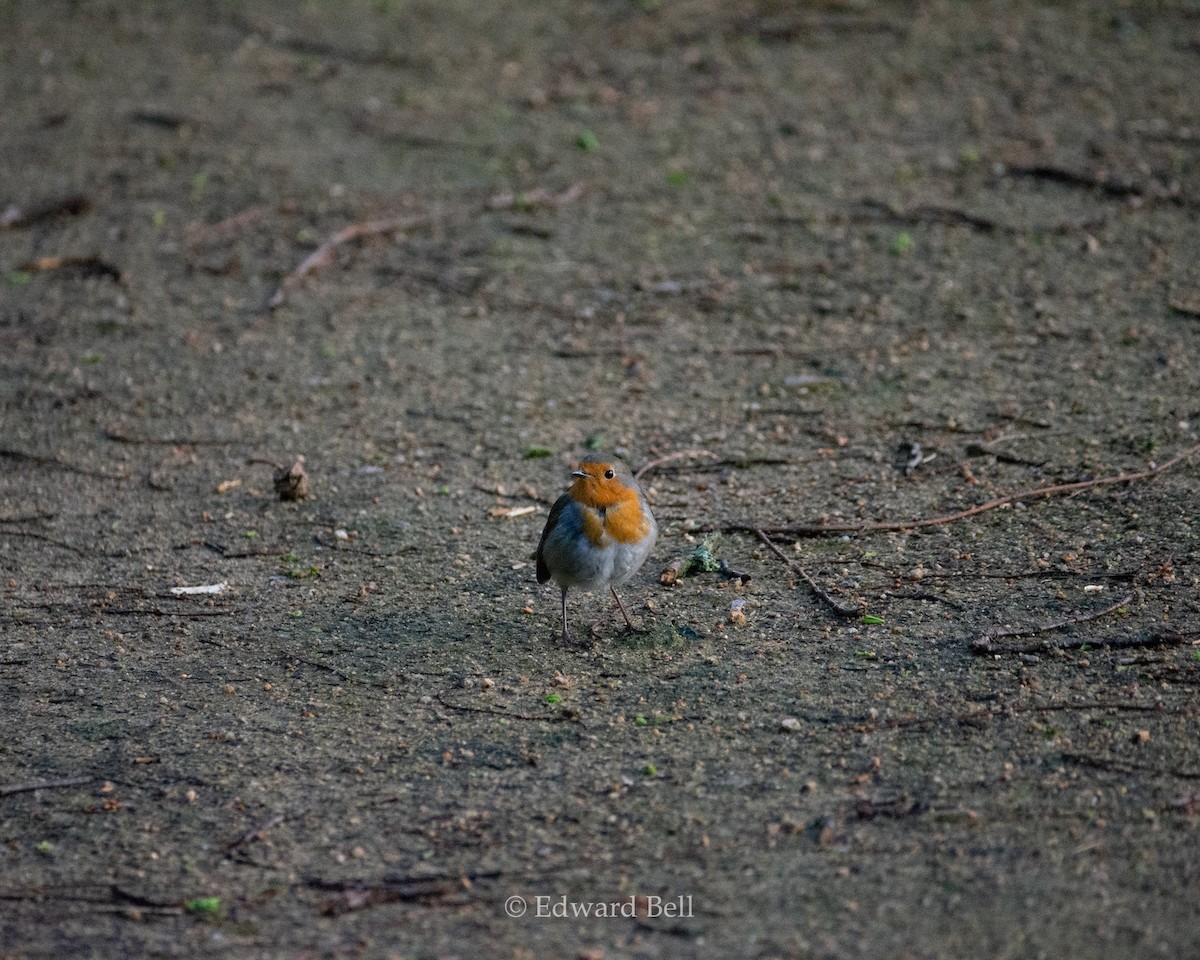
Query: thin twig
[[70, 205], [255, 833], [155, 612], [117, 437], [231, 554], [42, 460], [1189, 308], [993, 575], [93, 265], [323, 255], [951, 216], [1090, 181], [43, 785], [740, 463], [987, 642], [285, 656], [1134, 197], [1009, 711], [122, 895], [360, 895], [29, 518], [1118, 766], [1189, 802], [932, 213], [1156, 638], [558, 718], [1038, 493], [927, 595], [112, 900], [677, 455], [839, 609], [29, 534]]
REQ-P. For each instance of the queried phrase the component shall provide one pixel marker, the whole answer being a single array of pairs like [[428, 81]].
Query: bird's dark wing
[[556, 511]]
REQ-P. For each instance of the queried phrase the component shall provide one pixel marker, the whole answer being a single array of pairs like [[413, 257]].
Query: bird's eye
[[608, 474]]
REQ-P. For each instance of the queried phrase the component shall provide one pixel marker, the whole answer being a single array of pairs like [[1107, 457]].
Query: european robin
[[598, 534]]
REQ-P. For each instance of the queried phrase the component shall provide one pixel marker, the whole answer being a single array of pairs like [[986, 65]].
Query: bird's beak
[[578, 473]]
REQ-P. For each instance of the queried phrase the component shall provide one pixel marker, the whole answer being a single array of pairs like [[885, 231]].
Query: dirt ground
[[879, 262]]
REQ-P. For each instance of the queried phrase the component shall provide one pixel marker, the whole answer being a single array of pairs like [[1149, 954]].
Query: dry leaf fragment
[[510, 512]]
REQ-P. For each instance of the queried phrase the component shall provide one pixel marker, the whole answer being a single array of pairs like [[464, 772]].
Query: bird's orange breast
[[628, 524], [625, 523]]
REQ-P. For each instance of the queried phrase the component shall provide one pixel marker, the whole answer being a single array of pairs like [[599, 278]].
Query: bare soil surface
[[858, 262]]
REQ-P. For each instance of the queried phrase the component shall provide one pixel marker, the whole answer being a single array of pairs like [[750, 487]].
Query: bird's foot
[[574, 641]]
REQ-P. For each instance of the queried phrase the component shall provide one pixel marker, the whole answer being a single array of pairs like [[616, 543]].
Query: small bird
[[598, 534]]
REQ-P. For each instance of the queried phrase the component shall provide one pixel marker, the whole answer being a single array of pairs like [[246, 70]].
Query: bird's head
[[600, 484]]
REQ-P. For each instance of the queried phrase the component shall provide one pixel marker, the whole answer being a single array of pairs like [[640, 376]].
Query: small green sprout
[[298, 571], [207, 907]]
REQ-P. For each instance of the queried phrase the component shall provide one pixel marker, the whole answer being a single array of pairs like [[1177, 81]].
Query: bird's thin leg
[[566, 637], [621, 607]]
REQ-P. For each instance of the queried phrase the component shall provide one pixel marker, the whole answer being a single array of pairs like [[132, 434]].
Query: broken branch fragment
[[23, 216], [90, 265], [291, 483]]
